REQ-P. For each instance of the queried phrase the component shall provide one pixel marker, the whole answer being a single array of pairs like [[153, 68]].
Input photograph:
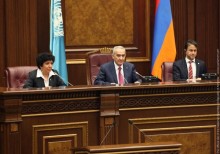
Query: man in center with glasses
[[117, 71]]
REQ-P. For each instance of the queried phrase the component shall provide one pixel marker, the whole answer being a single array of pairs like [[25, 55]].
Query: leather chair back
[[16, 76], [94, 60], [167, 71]]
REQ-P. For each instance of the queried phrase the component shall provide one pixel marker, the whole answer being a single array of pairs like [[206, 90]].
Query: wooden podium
[[136, 148], [55, 120]]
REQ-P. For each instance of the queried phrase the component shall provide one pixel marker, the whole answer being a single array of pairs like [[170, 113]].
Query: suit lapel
[[51, 81], [125, 69], [197, 67], [185, 70], [113, 71], [40, 82]]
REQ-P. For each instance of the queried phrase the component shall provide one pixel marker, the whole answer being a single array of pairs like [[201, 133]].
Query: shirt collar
[[116, 66], [187, 60], [39, 74]]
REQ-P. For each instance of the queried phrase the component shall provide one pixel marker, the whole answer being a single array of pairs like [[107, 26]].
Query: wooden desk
[[53, 120], [141, 148]]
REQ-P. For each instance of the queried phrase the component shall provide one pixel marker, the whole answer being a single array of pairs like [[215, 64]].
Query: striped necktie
[[190, 73], [120, 76]]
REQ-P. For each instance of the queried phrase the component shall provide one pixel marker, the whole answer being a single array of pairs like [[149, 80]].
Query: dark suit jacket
[[107, 74], [180, 71], [34, 82]]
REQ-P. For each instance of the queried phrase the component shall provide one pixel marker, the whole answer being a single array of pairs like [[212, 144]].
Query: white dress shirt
[[46, 81], [193, 63], [116, 69]]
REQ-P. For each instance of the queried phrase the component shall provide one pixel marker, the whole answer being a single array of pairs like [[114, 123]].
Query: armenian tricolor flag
[[164, 47]]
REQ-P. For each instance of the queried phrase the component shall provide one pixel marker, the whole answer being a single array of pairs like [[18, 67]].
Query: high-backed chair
[[94, 60], [167, 71], [16, 76]]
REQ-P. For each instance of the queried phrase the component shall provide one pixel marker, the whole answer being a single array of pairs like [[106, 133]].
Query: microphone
[[111, 126], [62, 78], [139, 74], [131, 122], [125, 81]]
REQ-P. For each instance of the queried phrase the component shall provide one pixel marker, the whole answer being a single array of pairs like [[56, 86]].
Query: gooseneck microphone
[[145, 135], [111, 126], [125, 80], [139, 74], [62, 78]]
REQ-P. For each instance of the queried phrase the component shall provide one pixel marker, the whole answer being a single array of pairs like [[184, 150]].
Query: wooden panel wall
[[24, 32], [89, 23], [18, 34], [2, 39]]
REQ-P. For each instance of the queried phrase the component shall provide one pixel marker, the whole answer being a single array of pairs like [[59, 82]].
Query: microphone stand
[[139, 74], [125, 81], [63, 79]]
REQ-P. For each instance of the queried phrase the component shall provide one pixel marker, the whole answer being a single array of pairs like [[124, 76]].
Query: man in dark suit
[[117, 71], [189, 68], [44, 76]]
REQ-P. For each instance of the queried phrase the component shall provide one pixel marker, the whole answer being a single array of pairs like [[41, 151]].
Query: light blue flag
[[57, 46]]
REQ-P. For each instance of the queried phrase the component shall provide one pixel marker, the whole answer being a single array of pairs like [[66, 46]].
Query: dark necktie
[[120, 77], [190, 73]]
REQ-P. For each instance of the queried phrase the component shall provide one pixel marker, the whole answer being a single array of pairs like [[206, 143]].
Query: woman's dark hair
[[43, 57], [190, 42]]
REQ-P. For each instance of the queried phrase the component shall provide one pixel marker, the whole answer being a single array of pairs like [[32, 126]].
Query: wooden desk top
[[8, 91], [131, 148]]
